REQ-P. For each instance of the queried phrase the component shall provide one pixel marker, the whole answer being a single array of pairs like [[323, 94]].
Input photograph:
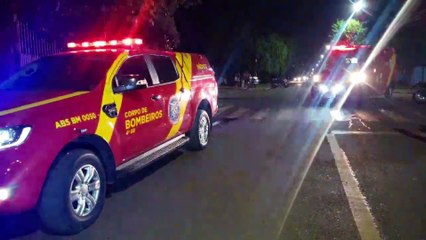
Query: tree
[[273, 54], [151, 19], [353, 32]]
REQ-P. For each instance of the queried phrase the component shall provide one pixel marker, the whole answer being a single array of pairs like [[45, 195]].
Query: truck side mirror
[[126, 83]]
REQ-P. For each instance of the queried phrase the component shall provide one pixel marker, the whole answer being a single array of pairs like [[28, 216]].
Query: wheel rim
[[203, 130], [420, 97], [84, 190]]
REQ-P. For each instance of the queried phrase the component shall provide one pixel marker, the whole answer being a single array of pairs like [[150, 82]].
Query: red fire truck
[[351, 66], [74, 122]]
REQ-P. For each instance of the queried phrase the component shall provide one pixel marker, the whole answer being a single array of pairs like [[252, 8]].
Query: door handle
[[110, 110], [156, 97]]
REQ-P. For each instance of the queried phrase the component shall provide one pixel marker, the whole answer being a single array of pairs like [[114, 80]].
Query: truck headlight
[[5, 194], [323, 88], [316, 78], [358, 77], [13, 137], [337, 88]]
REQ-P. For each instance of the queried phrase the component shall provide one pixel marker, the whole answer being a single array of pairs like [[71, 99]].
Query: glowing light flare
[[4, 194], [127, 41], [99, 44], [72, 45], [317, 78], [337, 115], [6, 136], [343, 48], [113, 42], [358, 77], [102, 44], [338, 88], [323, 88], [359, 6]]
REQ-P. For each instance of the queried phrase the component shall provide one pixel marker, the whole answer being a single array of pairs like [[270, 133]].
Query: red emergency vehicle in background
[[72, 123], [345, 67]]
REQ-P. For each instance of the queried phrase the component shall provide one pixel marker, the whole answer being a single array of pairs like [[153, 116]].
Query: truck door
[[140, 121], [176, 92]]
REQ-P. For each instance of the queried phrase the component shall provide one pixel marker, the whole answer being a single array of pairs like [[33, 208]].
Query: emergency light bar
[[112, 43], [342, 48]]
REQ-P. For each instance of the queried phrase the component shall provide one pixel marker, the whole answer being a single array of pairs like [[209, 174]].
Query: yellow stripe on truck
[[184, 67], [106, 124], [392, 70], [41, 103]]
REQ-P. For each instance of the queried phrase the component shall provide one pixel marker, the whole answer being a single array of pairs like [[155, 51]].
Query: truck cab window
[[136, 67], [166, 69]]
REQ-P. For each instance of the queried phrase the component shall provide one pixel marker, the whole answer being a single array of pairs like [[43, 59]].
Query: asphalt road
[[277, 168]]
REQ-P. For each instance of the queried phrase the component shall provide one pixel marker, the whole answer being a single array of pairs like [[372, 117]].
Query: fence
[[30, 46]]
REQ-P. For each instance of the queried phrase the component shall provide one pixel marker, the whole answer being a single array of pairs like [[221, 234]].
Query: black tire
[[55, 210], [195, 143], [417, 96]]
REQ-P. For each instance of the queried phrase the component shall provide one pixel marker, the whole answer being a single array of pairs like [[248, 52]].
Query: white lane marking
[[394, 116], [339, 132], [364, 220], [366, 116], [239, 113], [216, 123], [260, 115], [287, 114], [223, 109]]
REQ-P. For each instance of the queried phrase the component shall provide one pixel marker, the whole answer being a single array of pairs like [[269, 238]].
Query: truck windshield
[[77, 72]]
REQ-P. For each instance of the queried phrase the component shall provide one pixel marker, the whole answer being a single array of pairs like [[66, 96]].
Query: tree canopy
[[353, 32], [151, 19], [273, 54]]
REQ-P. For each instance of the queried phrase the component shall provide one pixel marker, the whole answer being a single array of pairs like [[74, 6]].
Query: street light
[[358, 6], [328, 47], [322, 56]]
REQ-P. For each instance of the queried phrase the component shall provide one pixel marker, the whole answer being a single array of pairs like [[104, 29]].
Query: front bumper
[[328, 91], [21, 180]]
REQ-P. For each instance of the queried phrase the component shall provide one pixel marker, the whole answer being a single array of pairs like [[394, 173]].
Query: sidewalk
[[234, 92], [404, 90]]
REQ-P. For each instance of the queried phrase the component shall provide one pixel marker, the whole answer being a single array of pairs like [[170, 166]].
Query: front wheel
[[420, 96], [200, 132], [74, 193]]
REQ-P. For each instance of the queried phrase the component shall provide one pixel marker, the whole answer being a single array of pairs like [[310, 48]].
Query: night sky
[[216, 23], [219, 28]]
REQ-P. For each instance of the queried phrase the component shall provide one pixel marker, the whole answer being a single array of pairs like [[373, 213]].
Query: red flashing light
[[343, 48], [127, 41], [100, 44], [72, 45]]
